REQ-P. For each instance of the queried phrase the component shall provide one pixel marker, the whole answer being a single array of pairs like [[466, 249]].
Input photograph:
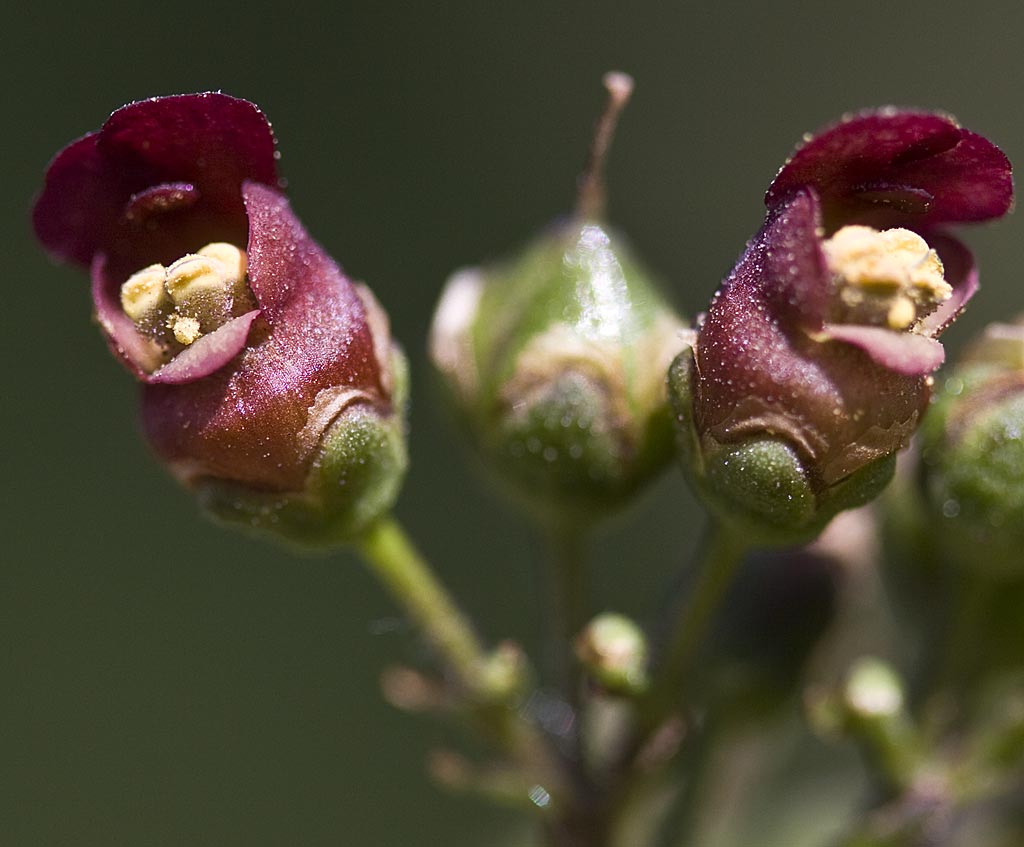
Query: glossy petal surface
[[899, 168]]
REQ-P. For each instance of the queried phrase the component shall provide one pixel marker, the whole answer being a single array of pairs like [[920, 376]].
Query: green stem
[[568, 577], [394, 560], [723, 553], [490, 680]]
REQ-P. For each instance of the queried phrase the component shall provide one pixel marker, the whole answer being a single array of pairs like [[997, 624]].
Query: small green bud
[[873, 691], [613, 649], [870, 708], [555, 361], [973, 454], [761, 483]]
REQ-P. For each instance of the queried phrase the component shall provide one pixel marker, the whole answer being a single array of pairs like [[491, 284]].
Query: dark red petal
[[211, 140], [960, 272], [252, 421], [81, 201], [181, 159], [793, 273], [904, 353], [136, 352], [899, 168], [208, 354]]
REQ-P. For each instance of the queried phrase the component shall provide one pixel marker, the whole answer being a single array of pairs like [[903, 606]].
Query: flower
[[253, 347], [820, 343]]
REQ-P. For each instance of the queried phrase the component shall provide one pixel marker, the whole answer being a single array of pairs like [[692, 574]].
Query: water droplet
[[951, 508]]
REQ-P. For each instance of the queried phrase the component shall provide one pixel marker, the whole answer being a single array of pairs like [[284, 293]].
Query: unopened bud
[[614, 651], [973, 454]]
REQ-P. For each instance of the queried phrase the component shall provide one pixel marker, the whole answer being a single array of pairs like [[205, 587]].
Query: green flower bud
[[614, 651], [555, 361], [870, 708], [972, 468], [762, 483]]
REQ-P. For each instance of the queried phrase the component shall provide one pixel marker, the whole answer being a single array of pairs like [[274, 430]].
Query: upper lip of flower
[[161, 178]]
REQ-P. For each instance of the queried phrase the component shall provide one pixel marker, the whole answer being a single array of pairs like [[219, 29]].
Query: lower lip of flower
[[176, 305], [889, 278]]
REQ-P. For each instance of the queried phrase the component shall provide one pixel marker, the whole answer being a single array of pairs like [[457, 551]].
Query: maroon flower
[[824, 334], [249, 339]]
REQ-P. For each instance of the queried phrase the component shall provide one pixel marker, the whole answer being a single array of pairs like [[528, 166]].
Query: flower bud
[[812, 365], [555, 362], [270, 382], [614, 651], [972, 469]]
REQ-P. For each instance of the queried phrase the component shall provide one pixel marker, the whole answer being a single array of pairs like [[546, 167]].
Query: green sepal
[[354, 480]]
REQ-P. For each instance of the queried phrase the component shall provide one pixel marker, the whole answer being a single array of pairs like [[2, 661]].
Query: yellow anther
[[902, 313], [144, 295], [890, 278], [196, 281], [235, 261], [186, 330], [195, 295]]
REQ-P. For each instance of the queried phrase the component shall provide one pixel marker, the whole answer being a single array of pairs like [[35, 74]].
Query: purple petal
[[140, 159], [905, 353], [212, 140], [899, 168], [77, 212], [208, 354], [960, 272], [139, 354], [791, 269]]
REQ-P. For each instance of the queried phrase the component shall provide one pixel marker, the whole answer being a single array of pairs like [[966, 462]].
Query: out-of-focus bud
[[555, 359], [972, 455], [811, 367], [613, 650], [271, 385], [870, 708]]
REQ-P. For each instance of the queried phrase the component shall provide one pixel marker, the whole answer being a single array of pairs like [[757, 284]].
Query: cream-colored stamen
[[890, 278], [143, 297], [195, 295]]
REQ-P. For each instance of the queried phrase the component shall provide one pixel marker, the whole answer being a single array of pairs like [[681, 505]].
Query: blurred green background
[[167, 682]]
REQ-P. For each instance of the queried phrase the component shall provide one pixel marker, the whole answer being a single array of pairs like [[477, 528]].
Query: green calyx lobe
[[354, 479], [761, 485], [973, 467], [556, 363]]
